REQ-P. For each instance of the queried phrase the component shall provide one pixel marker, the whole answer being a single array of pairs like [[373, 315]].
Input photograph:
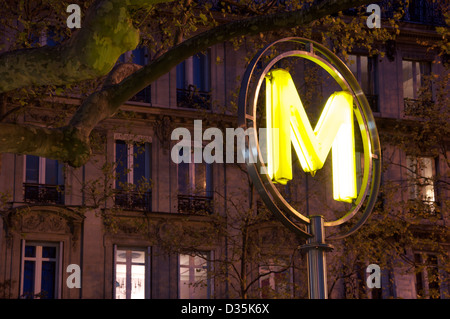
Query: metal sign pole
[[316, 259], [366, 198]]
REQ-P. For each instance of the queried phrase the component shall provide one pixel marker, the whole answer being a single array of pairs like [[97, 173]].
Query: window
[[193, 82], [427, 276], [133, 167], [364, 68], [44, 180], [424, 11], [413, 77], [40, 270], [53, 38], [275, 282], [415, 83], [194, 187], [139, 56], [195, 282], [420, 172], [131, 274]]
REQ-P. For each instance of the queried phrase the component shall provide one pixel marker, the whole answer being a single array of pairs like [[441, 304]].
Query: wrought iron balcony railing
[[416, 107], [133, 200], [193, 99], [425, 208], [43, 193], [143, 96], [197, 205]]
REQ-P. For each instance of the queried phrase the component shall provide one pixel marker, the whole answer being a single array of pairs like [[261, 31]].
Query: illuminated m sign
[[268, 154], [287, 122]]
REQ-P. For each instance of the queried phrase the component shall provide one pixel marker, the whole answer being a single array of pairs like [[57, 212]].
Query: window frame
[[189, 72], [39, 190], [147, 144], [38, 266], [372, 80], [147, 250], [415, 191], [422, 277], [192, 200], [187, 90], [133, 198], [208, 189], [192, 269], [143, 97], [415, 65], [42, 171]]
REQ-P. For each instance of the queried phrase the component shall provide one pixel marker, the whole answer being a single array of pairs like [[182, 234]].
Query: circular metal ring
[[372, 150]]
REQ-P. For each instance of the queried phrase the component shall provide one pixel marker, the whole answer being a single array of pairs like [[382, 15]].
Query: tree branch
[[91, 52], [115, 95], [57, 143], [247, 27], [107, 32]]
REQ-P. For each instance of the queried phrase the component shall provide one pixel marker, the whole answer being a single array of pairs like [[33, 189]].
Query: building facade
[[138, 225]]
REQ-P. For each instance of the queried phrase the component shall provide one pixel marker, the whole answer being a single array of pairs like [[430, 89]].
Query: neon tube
[[288, 122]]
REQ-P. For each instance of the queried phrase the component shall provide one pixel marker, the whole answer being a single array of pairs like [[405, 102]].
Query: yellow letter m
[[287, 122]]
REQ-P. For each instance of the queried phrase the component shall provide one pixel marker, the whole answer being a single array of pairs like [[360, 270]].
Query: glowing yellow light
[[288, 122]]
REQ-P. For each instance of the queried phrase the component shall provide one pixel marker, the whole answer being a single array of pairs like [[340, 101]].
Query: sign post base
[[316, 259]]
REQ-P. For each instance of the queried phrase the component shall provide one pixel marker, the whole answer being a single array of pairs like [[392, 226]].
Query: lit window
[[420, 172], [194, 178], [130, 274], [194, 281], [40, 270], [194, 186], [44, 180]]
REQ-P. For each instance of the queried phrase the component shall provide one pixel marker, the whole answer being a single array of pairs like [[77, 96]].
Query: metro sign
[[285, 114], [287, 123]]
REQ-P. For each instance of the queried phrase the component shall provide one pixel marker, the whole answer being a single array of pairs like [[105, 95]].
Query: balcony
[[133, 200], [143, 96], [424, 12], [193, 99], [424, 208], [416, 107], [43, 193], [196, 205]]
